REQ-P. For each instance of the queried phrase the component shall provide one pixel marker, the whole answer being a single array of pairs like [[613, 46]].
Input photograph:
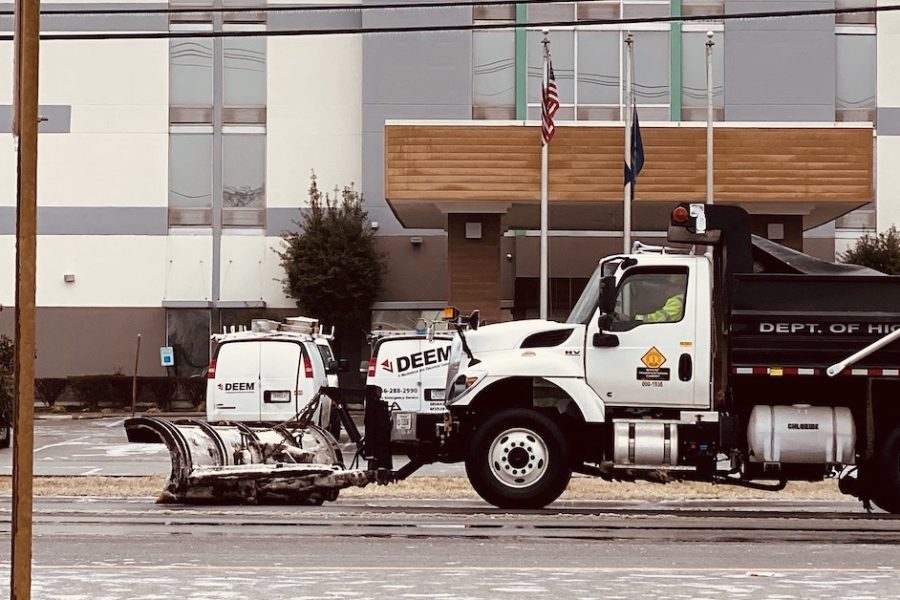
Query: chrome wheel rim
[[518, 457]]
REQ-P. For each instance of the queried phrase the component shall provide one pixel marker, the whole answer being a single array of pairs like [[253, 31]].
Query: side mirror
[[331, 367], [474, 320], [608, 294], [343, 365]]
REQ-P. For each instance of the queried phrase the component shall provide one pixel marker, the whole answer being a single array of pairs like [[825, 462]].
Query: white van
[[410, 369], [267, 374]]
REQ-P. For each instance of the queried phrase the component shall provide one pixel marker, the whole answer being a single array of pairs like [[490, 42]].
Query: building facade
[[170, 167]]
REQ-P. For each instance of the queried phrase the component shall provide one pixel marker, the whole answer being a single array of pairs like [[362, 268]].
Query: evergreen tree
[[334, 269], [880, 252]]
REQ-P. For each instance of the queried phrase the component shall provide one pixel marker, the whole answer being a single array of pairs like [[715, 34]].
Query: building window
[[702, 7], [190, 175], [854, 96], [187, 332], [863, 18], [693, 73], [588, 60], [244, 176], [494, 80], [217, 135]]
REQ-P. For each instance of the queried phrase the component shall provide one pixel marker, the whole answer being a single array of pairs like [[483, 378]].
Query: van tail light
[[307, 368], [372, 364], [211, 372]]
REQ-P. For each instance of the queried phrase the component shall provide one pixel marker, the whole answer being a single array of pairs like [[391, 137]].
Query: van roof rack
[[292, 327], [377, 334], [642, 248]]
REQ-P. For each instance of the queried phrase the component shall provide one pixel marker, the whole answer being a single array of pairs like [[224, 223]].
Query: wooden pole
[[25, 131]]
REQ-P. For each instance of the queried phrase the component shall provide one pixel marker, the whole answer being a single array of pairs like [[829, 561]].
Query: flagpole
[[629, 119], [709, 117], [545, 147]]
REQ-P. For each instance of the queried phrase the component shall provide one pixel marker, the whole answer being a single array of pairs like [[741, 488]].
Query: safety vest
[[671, 311]]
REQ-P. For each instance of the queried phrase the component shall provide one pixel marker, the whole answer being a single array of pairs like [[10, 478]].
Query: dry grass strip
[[449, 488]]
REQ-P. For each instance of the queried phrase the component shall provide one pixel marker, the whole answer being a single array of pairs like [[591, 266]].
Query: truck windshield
[[587, 303]]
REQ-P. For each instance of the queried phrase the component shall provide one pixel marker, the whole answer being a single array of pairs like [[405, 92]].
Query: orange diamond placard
[[653, 358]]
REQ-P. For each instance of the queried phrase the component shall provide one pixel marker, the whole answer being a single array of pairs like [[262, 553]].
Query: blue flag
[[637, 153]]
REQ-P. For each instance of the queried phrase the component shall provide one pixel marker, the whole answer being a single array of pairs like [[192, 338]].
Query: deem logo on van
[[419, 360], [238, 386]]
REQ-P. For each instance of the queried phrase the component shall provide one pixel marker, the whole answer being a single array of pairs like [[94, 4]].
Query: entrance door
[[654, 363]]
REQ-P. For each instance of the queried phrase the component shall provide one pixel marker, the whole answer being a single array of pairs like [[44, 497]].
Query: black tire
[[519, 458], [886, 484]]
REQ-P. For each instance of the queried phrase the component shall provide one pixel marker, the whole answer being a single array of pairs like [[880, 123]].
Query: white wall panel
[[243, 257], [6, 72], [273, 273], [314, 116], [188, 268], [887, 208], [7, 270], [888, 54], [7, 170], [133, 73], [103, 170], [108, 270]]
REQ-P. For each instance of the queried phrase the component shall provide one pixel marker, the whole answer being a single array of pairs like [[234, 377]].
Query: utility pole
[[25, 134]]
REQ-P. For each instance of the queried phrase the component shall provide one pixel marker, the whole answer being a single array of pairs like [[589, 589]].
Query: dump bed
[[812, 321]]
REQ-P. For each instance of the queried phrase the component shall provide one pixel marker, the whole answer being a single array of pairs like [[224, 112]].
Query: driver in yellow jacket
[[672, 310]]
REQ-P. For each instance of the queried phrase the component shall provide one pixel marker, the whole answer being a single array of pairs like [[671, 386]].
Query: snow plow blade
[[235, 463]]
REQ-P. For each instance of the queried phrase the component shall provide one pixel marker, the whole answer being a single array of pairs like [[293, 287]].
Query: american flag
[[549, 106]]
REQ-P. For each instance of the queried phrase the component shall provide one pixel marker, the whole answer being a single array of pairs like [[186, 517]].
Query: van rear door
[[411, 372], [235, 389], [280, 375]]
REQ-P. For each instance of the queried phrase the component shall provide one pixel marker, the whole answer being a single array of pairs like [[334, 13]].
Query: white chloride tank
[[801, 434]]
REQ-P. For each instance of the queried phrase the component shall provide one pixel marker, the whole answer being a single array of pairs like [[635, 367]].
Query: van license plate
[[284, 396], [436, 395]]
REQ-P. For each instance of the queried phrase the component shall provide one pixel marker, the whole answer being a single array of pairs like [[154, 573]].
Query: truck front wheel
[[519, 458], [887, 481]]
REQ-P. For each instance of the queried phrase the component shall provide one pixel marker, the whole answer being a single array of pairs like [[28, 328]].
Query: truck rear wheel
[[519, 458], [887, 476]]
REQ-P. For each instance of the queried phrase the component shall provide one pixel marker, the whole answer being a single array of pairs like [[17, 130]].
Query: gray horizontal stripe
[[241, 304], [888, 121], [339, 19], [138, 220], [82, 23], [55, 118], [280, 220], [91, 221], [187, 304], [102, 221]]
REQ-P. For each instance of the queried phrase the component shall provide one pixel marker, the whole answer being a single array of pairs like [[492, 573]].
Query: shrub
[[880, 252], [7, 380], [50, 389]]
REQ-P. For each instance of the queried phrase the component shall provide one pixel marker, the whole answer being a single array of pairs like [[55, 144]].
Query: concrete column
[[473, 263]]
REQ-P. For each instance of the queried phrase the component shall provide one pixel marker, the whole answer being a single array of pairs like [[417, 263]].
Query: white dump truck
[[746, 365]]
